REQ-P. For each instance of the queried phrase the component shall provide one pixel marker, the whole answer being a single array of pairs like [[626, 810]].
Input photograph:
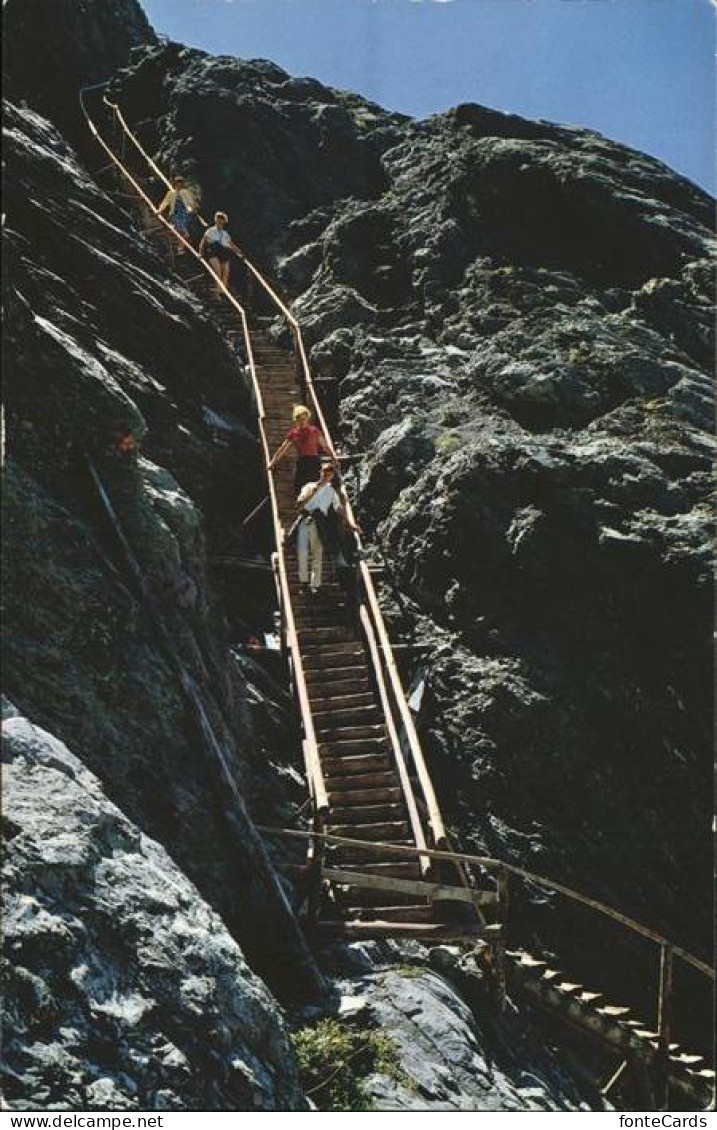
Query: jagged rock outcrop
[[449, 1062], [53, 47], [123, 989]]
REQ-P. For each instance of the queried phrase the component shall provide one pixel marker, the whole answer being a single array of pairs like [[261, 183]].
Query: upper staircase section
[[365, 769]]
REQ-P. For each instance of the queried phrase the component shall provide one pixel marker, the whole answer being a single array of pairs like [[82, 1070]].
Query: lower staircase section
[[368, 892]]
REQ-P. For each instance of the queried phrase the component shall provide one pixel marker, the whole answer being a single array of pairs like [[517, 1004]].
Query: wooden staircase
[[366, 800], [367, 891]]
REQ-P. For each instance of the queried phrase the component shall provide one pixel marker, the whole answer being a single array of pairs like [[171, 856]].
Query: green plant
[[448, 442], [336, 1058], [408, 970]]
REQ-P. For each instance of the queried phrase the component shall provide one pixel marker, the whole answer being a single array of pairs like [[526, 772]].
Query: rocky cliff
[[124, 990], [50, 50], [517, 320], [513, 320]]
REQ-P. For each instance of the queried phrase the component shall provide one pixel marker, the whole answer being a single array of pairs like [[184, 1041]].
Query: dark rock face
[[53, 47], [269, 147], [519, 316], [124, 990], [98, 339]]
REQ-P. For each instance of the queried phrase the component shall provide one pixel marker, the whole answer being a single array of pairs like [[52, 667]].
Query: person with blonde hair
[[218, 246], [308, 442], [179, 203]]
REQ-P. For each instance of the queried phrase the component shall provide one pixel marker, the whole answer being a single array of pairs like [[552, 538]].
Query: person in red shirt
[[309, 443]]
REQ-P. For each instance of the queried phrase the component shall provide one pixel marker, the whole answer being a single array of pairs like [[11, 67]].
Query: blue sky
[[639, 71]]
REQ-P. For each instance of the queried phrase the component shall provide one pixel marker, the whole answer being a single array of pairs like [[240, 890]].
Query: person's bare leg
[[225, 274]]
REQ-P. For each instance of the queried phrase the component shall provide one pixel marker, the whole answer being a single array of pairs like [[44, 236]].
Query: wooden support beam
[[436, 892], [421, 931], [614, 1079], [494, 865], [253, 513], [664, 1024], [242, 563]]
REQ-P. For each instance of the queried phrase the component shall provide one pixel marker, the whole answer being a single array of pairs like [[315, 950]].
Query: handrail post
[[503, 891], [499, 946], [664, 1024], [316, 868], [299, 363]]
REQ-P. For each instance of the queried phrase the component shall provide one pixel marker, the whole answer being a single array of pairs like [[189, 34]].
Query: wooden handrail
[[312, 759], [490, 864], [135, 140], [313, 764], [424, 777], [406, 785]]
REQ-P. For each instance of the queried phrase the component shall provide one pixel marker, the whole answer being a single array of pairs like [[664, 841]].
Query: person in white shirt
[[315, 502], [219, 246]]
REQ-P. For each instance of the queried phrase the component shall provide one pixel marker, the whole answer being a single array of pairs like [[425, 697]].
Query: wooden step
[[329, 589], [350, 718], [351, 856], [316, 636], [340, 687], [324, 639], [308, 619], [387, 831], [321, 603], [353, 765], [326, 666], [613, 1011], [591, 1000], [347, 795], [334, 656], [342, 782], [337, 675], [370, 898], [416, 912], [305, 621], [327, 735], [400, 869], [324, 702], [344, 747], [692, 1061], [369, 812], [570, 988]]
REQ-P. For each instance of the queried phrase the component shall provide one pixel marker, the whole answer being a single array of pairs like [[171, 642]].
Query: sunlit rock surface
[[123, 989]]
